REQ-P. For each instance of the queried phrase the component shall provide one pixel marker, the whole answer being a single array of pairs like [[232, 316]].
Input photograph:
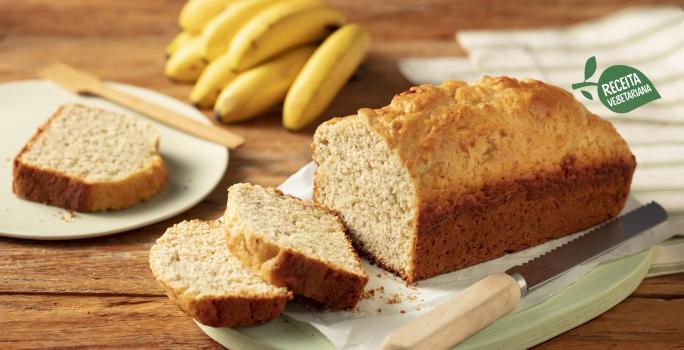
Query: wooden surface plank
[[669, 288], [627, 326], [69, 321], [99, 293], [84, 321]]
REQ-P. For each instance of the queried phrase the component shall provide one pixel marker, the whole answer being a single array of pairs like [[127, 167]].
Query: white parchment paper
[[389, 302]]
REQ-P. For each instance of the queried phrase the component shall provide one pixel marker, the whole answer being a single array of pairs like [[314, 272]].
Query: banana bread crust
[[494, 130], [285, 267], [334, 287], [512, 216], [228, 311], [52, 188]]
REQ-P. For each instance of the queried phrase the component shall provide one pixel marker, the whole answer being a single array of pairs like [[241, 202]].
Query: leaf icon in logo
[[623, 88], [587, 94], [589, 68]]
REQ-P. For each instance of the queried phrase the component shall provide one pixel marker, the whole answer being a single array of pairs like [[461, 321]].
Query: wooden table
[[99, 293]]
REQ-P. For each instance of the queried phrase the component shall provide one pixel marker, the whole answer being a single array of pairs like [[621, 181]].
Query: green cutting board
[[594, 293]]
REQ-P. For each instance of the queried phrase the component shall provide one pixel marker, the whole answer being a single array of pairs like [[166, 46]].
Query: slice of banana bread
[[193, 265], [89, 159], [293, 244]]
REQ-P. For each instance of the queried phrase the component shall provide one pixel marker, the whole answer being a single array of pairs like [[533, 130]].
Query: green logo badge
[[620, 88]]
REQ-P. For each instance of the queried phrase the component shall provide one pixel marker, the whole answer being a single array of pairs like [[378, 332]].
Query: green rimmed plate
[[594, 293]]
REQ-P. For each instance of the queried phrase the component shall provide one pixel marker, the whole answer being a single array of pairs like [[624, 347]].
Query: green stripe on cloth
[[579, 67], [622, 42], [645, 120], [658, 104], [673, 78], [675, 214], [656, 143], [661, 164], [657, 189]]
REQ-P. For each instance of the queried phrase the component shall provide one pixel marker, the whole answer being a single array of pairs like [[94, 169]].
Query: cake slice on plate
[[89, 159]]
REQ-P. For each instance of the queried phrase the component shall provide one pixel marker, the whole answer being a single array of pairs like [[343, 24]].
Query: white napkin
[[647, 38], [397, 303]]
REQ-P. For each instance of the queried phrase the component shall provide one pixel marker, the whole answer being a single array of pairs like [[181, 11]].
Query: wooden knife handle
[[462, 316], [166, 116]]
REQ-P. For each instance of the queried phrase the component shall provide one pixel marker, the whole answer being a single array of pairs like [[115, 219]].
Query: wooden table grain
[[99, 293]]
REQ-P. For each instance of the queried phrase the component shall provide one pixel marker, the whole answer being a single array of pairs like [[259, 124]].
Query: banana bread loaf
[[452, 175]]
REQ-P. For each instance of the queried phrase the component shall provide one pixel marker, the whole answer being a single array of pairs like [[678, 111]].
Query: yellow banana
[[187, 63], [179, 40], [218, 33], [324, 75], [195, 14], [213, 79], [279, 28], [261, 87]]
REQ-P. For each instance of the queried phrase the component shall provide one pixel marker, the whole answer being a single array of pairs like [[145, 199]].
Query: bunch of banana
[[246, 56]]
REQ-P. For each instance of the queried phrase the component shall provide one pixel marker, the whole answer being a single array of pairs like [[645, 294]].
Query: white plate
[[195, 166]]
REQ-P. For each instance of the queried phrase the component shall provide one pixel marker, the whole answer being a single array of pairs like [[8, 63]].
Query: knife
[[495, 296]]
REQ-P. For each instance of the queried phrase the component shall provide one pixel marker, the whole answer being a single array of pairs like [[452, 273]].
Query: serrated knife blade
[[496, 295], [586, 247]]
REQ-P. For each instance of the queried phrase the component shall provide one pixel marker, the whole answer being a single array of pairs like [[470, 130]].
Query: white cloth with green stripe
[[647, 38]]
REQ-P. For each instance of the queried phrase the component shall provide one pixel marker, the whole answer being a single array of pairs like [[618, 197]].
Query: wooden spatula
[[85, 83]]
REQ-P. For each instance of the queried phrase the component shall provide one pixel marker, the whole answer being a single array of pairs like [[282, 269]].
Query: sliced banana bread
[[452, 175], [293, 244], [89, 159], [193, 265]]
